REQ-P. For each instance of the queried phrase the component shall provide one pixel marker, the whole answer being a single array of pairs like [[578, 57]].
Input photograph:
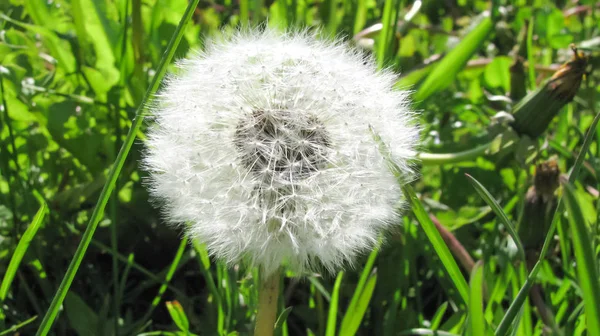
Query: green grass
[[76, 76]]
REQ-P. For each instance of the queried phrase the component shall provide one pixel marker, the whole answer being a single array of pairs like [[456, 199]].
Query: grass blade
[[282, 318], [489, 199], [358, 292], [589, 137], [333, 306], [516, 305], [477, 321], [355, 316], [16, 327], [21, 249], [586, 261], [445, 72], [113, 175], [385, 40], [438, 243]]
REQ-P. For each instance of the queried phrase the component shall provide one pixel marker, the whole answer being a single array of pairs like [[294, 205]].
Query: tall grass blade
[[489, 199], [355, 316], [21, 249], [476, 319], [114, 174], [438, 243], [386, 36], [515, 306], [586, 261], [333, 306], [358, 292]]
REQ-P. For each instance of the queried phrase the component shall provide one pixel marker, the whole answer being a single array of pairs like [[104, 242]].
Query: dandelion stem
[[267, 305]]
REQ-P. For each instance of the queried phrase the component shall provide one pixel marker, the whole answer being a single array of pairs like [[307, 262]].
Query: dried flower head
[[264, 144]]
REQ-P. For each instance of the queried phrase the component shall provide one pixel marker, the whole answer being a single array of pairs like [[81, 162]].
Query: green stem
[[113, 175], [130, 263], [168, 277], [434, 159]]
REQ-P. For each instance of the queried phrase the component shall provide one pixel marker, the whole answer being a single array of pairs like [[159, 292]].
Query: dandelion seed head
[[264, 145]]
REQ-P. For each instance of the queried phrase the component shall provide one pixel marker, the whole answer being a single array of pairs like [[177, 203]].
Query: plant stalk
[[267, 305]]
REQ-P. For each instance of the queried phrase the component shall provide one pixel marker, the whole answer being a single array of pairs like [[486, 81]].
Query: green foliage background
[[73, 74]]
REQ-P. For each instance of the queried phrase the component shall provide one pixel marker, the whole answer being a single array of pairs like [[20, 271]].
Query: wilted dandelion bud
[[540, 205], [264, 145]]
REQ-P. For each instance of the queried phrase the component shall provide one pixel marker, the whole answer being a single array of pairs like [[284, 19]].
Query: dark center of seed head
[[280, 146]]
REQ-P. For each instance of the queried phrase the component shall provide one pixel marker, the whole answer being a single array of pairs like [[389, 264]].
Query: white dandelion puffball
[[264, 145]]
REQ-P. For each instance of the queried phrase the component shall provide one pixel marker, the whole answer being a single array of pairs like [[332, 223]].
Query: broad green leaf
[[444, 73], [497, 73], [81, 317]]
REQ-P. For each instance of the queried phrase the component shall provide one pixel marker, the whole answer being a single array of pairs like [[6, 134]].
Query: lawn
[[500, 229]]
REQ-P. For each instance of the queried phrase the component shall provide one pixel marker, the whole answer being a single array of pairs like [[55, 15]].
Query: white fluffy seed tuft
[[262, 144]]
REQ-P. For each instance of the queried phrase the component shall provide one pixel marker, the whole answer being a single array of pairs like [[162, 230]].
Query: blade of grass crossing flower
[[358, 292], [20, 251], [333, 306], [523, 324], [586, 261], [487, 197], [244, 12], [332, 17], [384, 41], [113, 175], [476, 319], [516, 305], [360, 19], [445, 72], [355, 316], [438, 243]]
